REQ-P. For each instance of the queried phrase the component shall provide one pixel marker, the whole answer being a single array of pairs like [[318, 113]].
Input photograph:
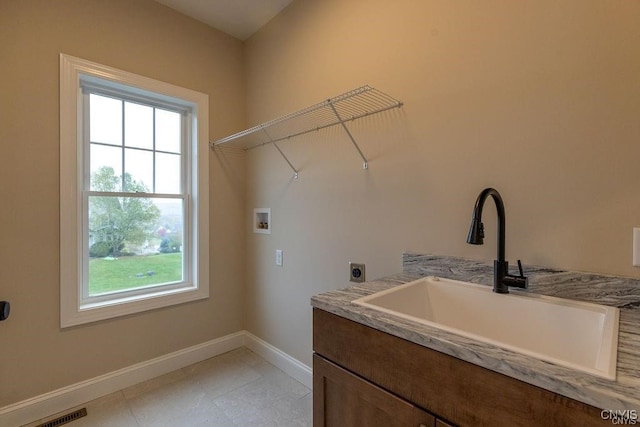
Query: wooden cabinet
[[363, 374], [346, 400]]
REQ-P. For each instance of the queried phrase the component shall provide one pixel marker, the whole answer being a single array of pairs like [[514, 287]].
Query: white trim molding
[[75, 307], [56, 401], [280, 359]]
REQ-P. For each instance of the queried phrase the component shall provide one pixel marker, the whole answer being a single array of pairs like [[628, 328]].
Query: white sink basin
[[578, 335]]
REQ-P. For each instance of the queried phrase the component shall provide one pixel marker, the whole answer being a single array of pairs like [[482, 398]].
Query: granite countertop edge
[[620, 394]]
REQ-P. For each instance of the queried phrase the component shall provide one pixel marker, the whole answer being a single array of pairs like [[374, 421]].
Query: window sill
[[93, 312]]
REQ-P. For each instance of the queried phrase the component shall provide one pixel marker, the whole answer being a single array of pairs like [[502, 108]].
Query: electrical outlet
[[356, 272], [279, 257]]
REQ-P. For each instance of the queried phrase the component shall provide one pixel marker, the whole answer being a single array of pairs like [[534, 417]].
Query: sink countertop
[[624, 293]]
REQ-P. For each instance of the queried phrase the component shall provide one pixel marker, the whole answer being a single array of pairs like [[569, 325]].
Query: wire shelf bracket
[[339, 110]]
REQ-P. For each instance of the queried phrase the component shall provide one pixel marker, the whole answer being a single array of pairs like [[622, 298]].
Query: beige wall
[[139, 36], [540, 99]]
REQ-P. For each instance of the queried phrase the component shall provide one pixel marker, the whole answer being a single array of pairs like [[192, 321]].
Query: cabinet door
[[342, 399]]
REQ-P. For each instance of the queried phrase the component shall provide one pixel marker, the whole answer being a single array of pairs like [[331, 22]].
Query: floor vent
[[72, 416]]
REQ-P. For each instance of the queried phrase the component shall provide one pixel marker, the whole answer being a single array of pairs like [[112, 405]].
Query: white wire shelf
[[339, 110]]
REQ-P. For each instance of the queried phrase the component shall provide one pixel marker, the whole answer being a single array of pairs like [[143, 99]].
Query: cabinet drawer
[[342, 399]]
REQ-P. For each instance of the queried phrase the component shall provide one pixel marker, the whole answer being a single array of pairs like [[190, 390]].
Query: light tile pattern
[[237, 388]]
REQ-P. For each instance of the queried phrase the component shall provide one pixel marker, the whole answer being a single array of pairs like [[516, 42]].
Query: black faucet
[[501, 277]]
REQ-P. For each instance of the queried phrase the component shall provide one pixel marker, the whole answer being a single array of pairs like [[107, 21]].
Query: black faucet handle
[[520, 281], [520, 268]]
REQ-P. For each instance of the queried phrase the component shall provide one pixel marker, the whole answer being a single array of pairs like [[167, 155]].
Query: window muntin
[[135, 201], [143, 140]]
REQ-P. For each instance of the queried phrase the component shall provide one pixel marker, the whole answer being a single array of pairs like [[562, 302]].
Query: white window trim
[[72, 311]]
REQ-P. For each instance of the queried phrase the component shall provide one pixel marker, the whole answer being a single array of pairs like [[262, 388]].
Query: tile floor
[[234, 389]]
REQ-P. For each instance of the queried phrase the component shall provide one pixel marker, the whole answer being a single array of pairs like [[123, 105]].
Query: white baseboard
[[279, 358], [45, 405]]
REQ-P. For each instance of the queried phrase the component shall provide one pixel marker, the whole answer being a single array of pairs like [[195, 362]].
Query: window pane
[[138, 166], [106, 168], [168, 176], [138, 125], [105, 119], [134, 242], [168, 132]]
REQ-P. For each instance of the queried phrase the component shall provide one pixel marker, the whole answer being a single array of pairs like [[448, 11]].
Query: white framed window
[[133, 193]]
